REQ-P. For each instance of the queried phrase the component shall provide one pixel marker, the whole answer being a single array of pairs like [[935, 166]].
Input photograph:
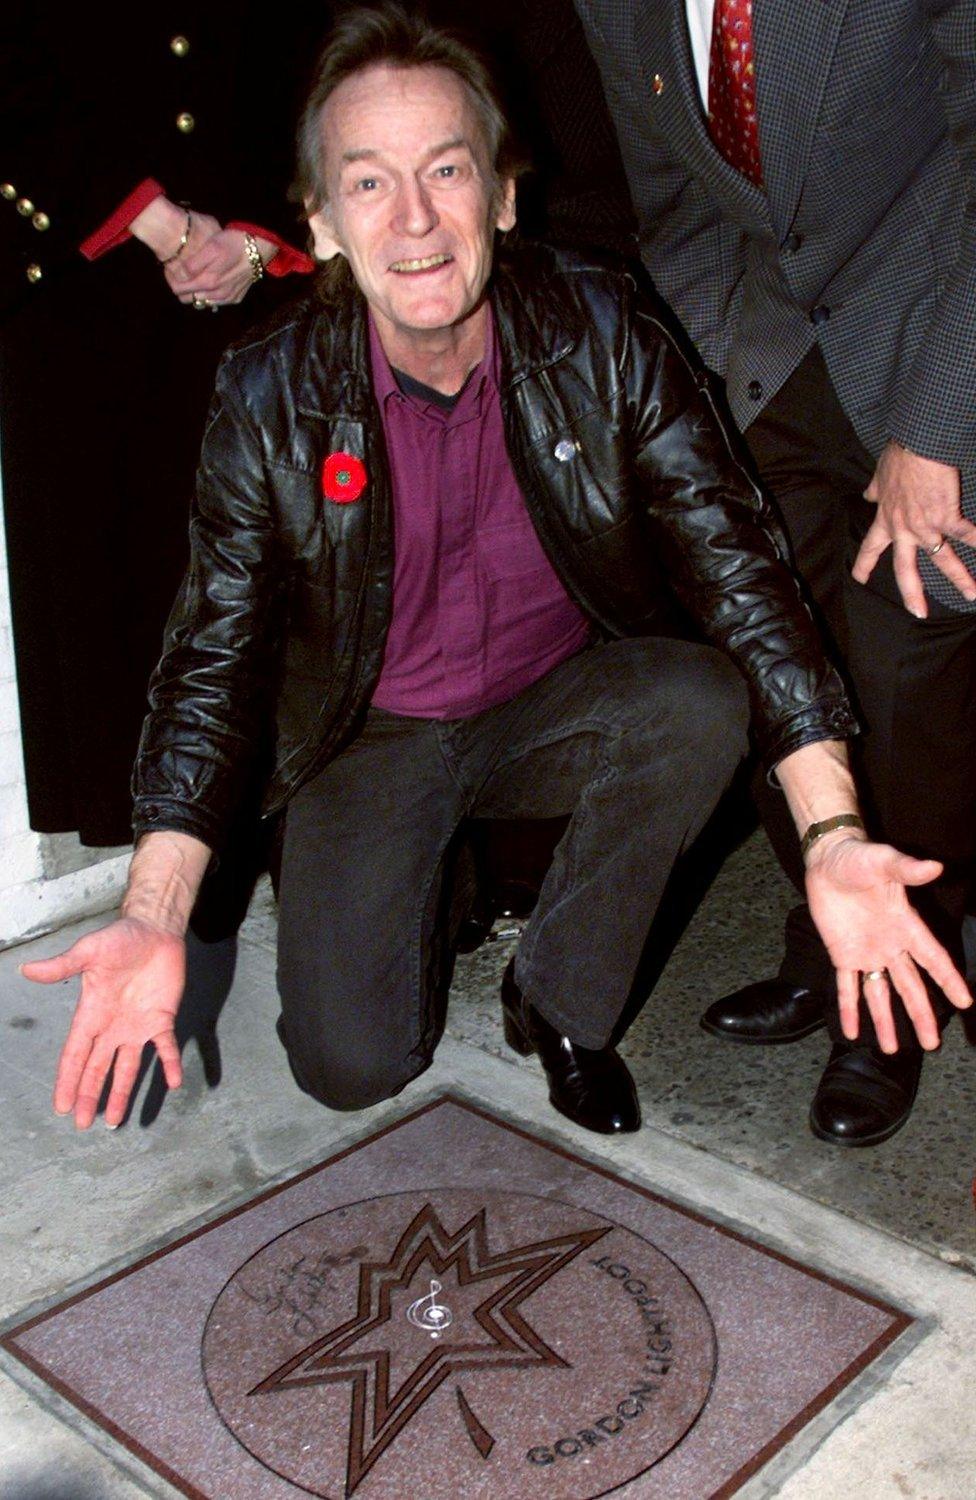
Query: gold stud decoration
[[8, 191], [25, 207], [34, 273], [41, 221], [185, 122], [657, 84], [179, 46]]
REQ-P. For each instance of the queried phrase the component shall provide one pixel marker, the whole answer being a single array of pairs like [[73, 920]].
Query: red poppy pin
[[343, 478]]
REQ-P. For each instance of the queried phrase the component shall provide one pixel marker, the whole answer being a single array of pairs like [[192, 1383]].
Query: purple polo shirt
[[478, 611]]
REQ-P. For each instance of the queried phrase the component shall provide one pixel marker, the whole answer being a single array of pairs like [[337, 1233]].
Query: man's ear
[[505, 218], [323, 240]]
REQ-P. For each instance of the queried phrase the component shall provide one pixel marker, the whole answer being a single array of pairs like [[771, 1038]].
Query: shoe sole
[[864, 1140], [762, 1041]]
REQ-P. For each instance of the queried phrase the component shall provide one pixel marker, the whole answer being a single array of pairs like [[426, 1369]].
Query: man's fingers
[[71, 1065], [848, 992], [906, 979], [907, 576], [51, 970], [877, 996], [124, 1075], [953, 568], [874, 543], [908, 870], [92, 1082], [169, 1057]]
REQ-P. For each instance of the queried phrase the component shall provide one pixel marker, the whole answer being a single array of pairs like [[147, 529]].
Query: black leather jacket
[[284, 611]]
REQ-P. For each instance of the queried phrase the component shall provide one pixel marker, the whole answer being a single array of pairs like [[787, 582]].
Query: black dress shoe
[[591, 1087], [864, 1095], [767, 1012]]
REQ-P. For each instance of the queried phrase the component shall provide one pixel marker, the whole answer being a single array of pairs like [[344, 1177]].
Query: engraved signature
[[298, 1286]]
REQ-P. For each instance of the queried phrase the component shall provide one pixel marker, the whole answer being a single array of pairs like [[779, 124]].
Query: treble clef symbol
[[429, 1314]]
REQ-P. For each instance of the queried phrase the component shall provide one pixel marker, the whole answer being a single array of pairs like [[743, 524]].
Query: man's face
[[410, 200]]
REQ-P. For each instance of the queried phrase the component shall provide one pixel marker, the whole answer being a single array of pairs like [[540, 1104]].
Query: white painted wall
[[37, 892]]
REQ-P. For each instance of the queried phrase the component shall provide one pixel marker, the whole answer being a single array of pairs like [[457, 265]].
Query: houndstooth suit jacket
[[863, 238]]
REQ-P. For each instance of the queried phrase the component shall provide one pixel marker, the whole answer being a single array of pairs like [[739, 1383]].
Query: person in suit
[[803, 179]]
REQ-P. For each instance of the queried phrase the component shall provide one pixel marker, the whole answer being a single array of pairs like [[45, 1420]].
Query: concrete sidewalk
[[725, 1134]]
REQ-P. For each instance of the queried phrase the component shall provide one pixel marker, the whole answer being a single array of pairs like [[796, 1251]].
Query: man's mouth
[[422, 263]]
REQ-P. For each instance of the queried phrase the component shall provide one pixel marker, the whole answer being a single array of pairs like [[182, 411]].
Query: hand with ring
[[879, 945]]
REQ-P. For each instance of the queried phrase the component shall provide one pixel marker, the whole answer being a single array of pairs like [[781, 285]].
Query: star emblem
[[493, 1334]]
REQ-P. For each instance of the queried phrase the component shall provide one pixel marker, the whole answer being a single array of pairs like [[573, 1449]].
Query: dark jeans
[[635, 739], [913, 681]]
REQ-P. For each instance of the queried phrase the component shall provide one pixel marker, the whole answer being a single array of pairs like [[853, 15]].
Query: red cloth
[[115, 231], [286, 258], [732, 120]]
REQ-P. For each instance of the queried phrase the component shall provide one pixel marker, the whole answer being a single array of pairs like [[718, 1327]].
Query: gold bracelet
[[254, 256], [827, 825], [184, 237]]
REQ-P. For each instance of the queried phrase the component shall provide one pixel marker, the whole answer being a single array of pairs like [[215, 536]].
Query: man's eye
[[366, 184], [447, 171]]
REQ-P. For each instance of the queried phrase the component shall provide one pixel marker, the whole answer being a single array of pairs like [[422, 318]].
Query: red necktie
[[732, 88]]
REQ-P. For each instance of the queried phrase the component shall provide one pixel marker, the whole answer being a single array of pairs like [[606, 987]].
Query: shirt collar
[[485, 375]]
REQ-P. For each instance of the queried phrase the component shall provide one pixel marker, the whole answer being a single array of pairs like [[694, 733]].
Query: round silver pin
[[564, 450]]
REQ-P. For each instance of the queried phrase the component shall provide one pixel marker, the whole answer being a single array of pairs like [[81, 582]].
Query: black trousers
[[635, 739], [913, 681]]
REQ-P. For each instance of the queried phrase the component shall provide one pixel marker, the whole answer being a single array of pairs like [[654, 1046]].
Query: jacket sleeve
[[935, 413], [721, 546], [209, 696]]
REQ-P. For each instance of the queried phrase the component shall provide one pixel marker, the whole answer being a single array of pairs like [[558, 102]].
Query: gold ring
[[937, 548], [873, 974]]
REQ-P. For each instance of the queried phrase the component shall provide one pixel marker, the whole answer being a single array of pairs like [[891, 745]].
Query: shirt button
[[564, 450], [179, 46], [754, 390], [185, 122], [792, 243], [820, 314]]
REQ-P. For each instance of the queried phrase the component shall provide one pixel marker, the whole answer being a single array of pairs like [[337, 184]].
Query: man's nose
[[415, 213]]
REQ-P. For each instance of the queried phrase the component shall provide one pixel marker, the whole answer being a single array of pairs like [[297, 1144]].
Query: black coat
[[283, 617], [104, 377]]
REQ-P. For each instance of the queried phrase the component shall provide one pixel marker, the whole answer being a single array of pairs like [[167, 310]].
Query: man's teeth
[[423, 264]]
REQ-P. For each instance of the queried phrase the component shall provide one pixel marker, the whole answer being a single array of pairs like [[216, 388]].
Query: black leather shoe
[[591, 1087], [864, 1095], [765, 1013]]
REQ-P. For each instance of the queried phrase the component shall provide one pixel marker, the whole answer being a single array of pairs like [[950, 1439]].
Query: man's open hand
[[918, 504], [858, 899], [132, 978]]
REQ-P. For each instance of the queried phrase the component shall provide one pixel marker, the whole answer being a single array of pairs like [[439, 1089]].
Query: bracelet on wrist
[[254, 256], [827, 825], [184, 238]]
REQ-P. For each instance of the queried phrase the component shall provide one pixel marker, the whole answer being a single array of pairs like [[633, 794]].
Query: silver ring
[[937, 548], [873, 974], [200, 303]]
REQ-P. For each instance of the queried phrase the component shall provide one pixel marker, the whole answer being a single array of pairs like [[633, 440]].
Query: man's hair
[[368, 35]]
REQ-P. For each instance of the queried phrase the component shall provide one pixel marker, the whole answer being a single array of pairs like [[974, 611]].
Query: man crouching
[[442, 507]]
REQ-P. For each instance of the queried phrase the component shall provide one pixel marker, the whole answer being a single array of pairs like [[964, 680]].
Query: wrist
[[823, 850], [165, 876], [825, 828], [161, 226]]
